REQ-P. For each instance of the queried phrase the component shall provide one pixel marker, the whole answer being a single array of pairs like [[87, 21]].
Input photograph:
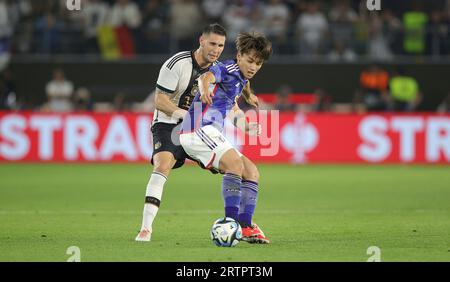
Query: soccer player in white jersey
[[201, 132], [175, 91], [174, 94]]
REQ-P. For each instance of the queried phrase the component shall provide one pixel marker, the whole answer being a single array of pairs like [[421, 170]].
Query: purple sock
[[249, 191], [231, 192]]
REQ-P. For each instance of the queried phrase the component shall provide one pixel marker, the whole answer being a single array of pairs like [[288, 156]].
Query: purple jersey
[[229, 83]]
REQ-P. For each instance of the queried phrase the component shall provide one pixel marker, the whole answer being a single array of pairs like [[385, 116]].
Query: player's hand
[[179, 114], [253, 100], [254, 129], [206, 98]]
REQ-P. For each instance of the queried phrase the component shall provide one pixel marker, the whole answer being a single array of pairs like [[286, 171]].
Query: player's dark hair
[[247, 42], [215, 28]]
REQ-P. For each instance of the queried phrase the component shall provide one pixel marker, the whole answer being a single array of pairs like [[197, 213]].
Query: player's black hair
[[215, 28], [246, 42]]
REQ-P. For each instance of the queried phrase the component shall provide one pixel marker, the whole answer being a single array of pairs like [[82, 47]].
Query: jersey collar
[[241, 75], [195, 64]]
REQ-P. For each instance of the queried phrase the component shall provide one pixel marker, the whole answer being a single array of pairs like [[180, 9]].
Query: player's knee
[[163, 167], [232, 165], [163, 163], [251, 173], [231, 162], [235, 166]]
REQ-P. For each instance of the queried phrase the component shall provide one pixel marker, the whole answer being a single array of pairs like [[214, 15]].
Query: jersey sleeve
[[219, 72], [167, 79]]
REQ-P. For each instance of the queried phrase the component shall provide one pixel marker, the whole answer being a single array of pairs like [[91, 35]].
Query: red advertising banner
[[285, 138]]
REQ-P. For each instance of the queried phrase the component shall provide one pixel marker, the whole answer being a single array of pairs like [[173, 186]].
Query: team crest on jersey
[[194, 89], [157, 145]]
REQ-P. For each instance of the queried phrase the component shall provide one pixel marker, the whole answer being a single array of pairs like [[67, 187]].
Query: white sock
[[154, 189]]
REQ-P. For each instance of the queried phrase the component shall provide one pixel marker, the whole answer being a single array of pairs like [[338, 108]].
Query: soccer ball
[[226, 232]]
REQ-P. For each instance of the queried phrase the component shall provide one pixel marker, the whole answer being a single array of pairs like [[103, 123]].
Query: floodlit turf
[[311, 213]]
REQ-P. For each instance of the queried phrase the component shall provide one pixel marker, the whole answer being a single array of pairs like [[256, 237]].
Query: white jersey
[[178, 77]]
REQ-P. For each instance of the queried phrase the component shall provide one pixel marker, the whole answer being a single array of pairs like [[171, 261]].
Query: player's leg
[[211, 148], [250, 190], [165, 155], [163, 163], [231, 163]]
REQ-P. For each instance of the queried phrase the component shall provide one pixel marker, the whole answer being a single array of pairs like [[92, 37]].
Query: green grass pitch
[[310, 213]]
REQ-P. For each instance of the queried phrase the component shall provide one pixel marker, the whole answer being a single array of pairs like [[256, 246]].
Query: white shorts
[[206, 145]]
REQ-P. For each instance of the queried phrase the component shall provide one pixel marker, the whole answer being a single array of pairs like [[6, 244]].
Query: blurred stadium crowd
[[332, 31], [337, 30], [378, 91]]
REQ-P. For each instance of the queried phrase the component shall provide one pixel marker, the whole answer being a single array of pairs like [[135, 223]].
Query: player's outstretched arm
[[163, 103], [249, 97], [204, 81]]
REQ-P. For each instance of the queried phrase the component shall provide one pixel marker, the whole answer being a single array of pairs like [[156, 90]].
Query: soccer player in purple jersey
[[201, 135]]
